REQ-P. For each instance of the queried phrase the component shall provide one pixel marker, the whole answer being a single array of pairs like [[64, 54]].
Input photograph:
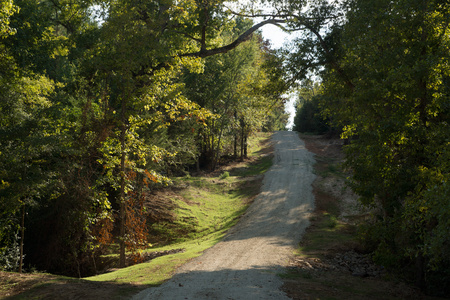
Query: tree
[[24, 168], [24, 164], [39, 136], [7, 8], [88, 106], [138, 62], [235, 86], [393, 103], [307, 116]]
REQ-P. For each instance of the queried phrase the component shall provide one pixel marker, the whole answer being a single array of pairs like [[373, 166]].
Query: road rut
[[245, 264]]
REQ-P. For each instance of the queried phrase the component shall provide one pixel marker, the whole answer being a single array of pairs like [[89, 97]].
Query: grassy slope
[[207, 207]]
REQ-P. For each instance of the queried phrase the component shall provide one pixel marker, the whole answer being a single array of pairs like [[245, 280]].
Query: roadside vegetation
[[384, 88], [102, 105], [332, 262], [206, 207]]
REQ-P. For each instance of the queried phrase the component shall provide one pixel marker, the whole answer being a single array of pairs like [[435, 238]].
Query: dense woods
[[102, 101], [384, 82]]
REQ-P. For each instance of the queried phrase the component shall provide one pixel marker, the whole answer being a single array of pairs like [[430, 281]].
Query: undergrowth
[[202, 210], [206, 207]]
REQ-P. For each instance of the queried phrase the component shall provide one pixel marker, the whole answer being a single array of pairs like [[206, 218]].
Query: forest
[[103, 101]]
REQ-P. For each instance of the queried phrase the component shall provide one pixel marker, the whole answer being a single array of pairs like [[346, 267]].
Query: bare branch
[[242, 38]]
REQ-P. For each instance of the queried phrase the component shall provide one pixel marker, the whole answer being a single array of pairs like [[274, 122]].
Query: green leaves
[[7, 8], [393, 52], [95, 115]]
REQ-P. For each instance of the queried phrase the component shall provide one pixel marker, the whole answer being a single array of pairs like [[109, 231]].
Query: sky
[[274, 34], [277, 37]]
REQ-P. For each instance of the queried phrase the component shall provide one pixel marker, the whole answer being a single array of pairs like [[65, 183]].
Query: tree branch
[[242, 38], [330, 59]]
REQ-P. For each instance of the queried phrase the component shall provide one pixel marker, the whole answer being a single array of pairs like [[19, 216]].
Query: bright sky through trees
[[277, 38]]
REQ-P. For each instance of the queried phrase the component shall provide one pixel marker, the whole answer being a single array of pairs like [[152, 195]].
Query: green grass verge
[[207, 208], [158, 270], [260, 167], [327, 233]]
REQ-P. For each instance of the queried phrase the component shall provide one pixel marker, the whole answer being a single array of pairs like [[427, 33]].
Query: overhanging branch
[[242, 38]]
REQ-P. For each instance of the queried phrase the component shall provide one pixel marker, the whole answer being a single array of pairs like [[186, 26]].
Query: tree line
[[103, 101], [382, 81]]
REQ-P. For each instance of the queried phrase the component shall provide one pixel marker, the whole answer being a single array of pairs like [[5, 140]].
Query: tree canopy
[[98, 110]]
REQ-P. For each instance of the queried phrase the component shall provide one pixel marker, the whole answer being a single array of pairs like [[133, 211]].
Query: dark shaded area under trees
[[308, 117]]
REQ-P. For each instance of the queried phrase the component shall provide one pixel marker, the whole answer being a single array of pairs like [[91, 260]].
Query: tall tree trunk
[[245, 145], [122, 189], [235, 154], [235, 145], [217, 152], [22, 236], [242, 140]]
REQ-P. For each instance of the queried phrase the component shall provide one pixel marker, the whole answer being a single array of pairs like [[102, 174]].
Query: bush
[[9, 254], [225, 175]]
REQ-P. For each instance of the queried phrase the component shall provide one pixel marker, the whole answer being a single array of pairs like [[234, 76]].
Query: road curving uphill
[[245, 264]]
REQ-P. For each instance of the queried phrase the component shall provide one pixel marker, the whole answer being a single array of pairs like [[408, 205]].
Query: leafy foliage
[[7, 8], [235, 87], [95, 114], [392, 103], [308, 118]]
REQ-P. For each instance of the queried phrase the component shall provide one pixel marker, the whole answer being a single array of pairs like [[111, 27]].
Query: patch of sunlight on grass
[[158, 270]]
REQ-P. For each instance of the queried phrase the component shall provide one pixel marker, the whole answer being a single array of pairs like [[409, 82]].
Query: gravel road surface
[[245, 264]]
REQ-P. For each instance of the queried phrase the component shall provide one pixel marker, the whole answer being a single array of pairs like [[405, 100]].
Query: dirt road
[[246, 263]]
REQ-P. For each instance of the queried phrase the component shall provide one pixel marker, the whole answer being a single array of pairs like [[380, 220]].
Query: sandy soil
[[246, 263]]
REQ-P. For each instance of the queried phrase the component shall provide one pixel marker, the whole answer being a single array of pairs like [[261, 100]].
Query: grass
[[258, 168], [327, 166], [207, 208], [324, 235], [225, 175], [160, 269]]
